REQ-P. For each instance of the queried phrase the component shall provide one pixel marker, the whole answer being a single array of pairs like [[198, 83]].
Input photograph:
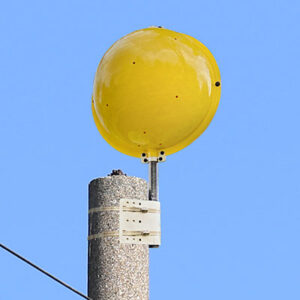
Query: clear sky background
[[230, 201]]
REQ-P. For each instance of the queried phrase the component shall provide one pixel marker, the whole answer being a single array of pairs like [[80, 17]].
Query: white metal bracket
[[140, 222], [161, 158]]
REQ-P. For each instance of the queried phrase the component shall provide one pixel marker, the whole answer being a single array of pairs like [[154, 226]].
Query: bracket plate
[[145, 159], [140, 222]]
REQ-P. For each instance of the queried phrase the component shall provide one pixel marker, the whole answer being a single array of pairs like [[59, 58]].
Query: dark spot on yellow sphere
[[142, 115]]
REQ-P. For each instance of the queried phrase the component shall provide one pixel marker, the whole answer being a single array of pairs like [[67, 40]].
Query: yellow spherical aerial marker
[[155, 90]]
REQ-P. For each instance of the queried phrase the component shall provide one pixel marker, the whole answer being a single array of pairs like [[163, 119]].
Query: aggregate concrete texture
[[115, 271]]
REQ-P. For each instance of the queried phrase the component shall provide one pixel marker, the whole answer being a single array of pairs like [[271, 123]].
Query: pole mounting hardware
[[140, 222], [145, 159], [153, 161]]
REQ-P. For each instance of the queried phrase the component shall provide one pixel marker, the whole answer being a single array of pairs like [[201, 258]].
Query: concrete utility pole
[[116, 271]]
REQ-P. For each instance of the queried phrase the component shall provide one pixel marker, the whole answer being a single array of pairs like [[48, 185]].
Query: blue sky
[[230, 201]]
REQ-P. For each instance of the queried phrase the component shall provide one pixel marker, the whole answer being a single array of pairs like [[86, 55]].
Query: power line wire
[[44, 272]]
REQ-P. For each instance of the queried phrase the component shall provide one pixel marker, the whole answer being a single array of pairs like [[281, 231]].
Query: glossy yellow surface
[[155, 89]]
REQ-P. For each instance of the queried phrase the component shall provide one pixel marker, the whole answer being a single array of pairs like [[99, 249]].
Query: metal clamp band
[[103, 234], [100, 209]]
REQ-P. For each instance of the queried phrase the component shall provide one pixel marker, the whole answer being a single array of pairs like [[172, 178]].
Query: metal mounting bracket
[[161, 158], [140, 222]]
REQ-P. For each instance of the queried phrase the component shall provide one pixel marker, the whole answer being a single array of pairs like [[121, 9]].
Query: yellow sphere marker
[[155, 89]]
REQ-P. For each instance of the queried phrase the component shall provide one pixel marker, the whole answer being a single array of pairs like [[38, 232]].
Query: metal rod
[[153, 180]]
